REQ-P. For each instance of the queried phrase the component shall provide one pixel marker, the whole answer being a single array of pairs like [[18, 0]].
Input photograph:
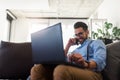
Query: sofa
[[112, 69], [15, 60]]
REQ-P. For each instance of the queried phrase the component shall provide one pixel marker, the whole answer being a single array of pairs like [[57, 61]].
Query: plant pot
[[107, 41]]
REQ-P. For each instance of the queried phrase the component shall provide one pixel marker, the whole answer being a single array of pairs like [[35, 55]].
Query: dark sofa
[[112, 69], [15, 60]]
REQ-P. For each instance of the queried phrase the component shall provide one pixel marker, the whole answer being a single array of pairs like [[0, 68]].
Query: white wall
[[109, 10], [20, 30], [3, 24], [21, 27]]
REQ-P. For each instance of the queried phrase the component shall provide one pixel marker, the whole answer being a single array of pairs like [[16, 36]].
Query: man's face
[[81, 34]]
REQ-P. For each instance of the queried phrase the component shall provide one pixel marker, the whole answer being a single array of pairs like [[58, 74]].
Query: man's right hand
[[71, 41]]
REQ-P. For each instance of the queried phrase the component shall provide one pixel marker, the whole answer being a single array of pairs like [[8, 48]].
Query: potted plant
[[116, 33], [104, 34]]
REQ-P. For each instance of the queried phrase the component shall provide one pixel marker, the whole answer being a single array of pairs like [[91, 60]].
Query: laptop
[[47, 46]]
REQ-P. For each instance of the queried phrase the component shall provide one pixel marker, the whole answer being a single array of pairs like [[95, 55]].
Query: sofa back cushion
[[15, 60], [112, 69]]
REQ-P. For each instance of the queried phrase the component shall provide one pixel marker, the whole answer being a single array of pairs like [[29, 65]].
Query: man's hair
[[81, 24]]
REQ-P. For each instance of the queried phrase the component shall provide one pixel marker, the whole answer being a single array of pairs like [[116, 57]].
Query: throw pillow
[[15, 60]]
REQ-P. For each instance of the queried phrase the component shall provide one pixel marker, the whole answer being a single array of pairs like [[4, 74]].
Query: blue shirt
[[97, 52]]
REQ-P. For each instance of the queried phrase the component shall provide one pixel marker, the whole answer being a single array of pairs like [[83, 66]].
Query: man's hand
[[77, 58], [71, 42]]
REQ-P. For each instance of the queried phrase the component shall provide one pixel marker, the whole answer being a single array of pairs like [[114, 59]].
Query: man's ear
[[87, 31]]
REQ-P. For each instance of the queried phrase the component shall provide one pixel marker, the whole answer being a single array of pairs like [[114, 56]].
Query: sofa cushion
[[112, 69], [15, 60]]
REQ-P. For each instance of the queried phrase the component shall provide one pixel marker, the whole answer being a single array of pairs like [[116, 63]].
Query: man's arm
[[91, 65], [99, 55], [78, 59], [66, 49], [69, 44]]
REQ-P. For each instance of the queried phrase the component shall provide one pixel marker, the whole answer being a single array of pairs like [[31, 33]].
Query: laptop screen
[[47, 45]]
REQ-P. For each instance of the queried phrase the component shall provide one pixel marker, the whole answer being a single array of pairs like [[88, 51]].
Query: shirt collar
[[85, 42]]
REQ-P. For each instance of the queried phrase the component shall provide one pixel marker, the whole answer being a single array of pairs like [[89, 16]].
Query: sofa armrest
[[112, 69]]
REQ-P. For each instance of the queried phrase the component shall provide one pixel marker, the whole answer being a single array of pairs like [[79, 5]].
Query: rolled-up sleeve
[[99, 50]]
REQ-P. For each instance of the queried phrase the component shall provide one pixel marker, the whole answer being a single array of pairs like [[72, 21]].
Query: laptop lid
[[47, 45]]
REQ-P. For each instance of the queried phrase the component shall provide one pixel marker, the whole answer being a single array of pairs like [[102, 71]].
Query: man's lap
[[40, 71]]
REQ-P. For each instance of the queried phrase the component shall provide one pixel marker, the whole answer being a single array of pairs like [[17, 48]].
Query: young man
[[90, 54]]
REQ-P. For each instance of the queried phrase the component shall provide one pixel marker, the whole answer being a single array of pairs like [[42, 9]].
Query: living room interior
[[18, 19], [48, 12]]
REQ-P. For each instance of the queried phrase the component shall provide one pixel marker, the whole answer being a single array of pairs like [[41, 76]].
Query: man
[[90, 54]]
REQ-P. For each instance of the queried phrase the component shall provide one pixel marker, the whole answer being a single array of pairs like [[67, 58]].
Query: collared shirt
[[97, 52]]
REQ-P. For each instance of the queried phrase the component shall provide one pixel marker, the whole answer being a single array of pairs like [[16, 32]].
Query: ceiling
[[57, 9]]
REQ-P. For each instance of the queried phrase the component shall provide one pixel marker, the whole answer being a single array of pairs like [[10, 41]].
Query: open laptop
[[47, 46]]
